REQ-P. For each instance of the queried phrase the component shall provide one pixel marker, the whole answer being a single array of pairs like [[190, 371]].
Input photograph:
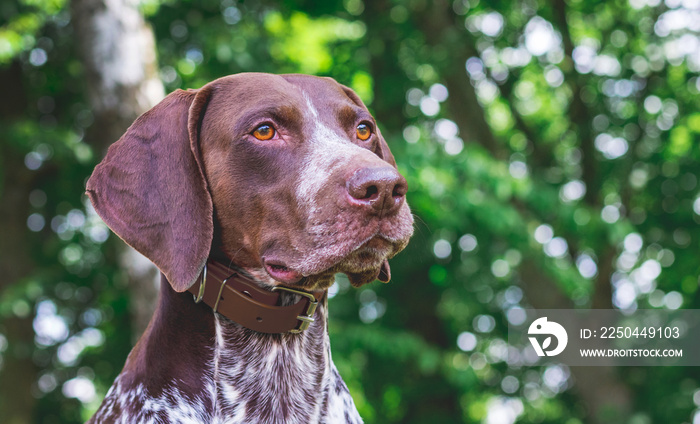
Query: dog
[[249, 194]]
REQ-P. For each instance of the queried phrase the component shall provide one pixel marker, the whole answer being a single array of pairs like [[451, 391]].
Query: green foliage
[[18, 30], [560, 170], [305, 42]]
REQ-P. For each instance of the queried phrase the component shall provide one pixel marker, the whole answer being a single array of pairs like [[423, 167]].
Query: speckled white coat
[[249, 378]]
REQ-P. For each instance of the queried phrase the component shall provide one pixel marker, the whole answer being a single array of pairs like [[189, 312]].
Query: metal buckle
[[202, 284], [308, 317], [221, 290]]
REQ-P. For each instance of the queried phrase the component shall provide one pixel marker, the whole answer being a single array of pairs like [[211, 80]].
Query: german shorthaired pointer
[[249, 194]]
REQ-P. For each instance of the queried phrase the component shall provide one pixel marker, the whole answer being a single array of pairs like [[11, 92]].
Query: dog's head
[[287, 174]]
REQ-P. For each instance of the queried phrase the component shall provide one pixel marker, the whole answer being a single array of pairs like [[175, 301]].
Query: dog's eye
[[363, 132], [264, 132]]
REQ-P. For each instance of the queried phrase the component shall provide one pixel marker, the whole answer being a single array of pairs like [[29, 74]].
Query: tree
[[117, 50]]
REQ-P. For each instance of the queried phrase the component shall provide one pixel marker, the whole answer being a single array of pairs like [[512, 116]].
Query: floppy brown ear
[[151, 191]]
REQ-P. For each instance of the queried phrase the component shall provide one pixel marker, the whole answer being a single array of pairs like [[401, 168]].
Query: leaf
[[546, 343]]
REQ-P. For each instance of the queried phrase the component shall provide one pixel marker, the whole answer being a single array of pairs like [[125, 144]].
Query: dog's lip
[[281, 272], [374, 249], [376, 242]]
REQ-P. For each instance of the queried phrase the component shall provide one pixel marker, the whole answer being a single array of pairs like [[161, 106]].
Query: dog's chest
[[278, 379], [247, 378]]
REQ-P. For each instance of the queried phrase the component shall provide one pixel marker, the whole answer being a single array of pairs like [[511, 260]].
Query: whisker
[[418, 220]]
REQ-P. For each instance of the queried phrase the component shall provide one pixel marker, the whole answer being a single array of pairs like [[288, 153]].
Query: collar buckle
[[202, 287], [308, 317], [202, 284]]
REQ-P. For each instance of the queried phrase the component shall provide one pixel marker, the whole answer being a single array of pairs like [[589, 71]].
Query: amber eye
[[363, 131], [264, 132]]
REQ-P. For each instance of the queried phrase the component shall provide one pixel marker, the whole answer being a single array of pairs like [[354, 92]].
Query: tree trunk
[[17, 369], [117, 48]]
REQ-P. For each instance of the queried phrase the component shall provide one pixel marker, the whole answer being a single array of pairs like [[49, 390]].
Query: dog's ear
[[382, 149], [151, 191]]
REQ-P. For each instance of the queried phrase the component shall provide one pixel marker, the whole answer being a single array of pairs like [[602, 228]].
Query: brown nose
[[379, 190]]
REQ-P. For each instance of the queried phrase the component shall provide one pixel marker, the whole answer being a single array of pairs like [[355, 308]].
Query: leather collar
[[240, 299]]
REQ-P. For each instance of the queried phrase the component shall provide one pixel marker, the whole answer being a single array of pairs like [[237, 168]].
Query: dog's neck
[[197, 366]]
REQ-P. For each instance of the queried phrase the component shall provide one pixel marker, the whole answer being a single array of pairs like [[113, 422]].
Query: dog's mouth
[[366, 263], [280, 272]]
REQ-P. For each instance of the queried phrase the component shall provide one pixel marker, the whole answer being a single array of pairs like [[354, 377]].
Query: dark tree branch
[[464, 108], [579, 114]]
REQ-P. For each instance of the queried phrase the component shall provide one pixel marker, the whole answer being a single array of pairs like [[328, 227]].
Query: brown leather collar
[[240, 299]]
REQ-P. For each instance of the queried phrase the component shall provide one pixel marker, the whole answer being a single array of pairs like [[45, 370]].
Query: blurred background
[[551, 149]]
